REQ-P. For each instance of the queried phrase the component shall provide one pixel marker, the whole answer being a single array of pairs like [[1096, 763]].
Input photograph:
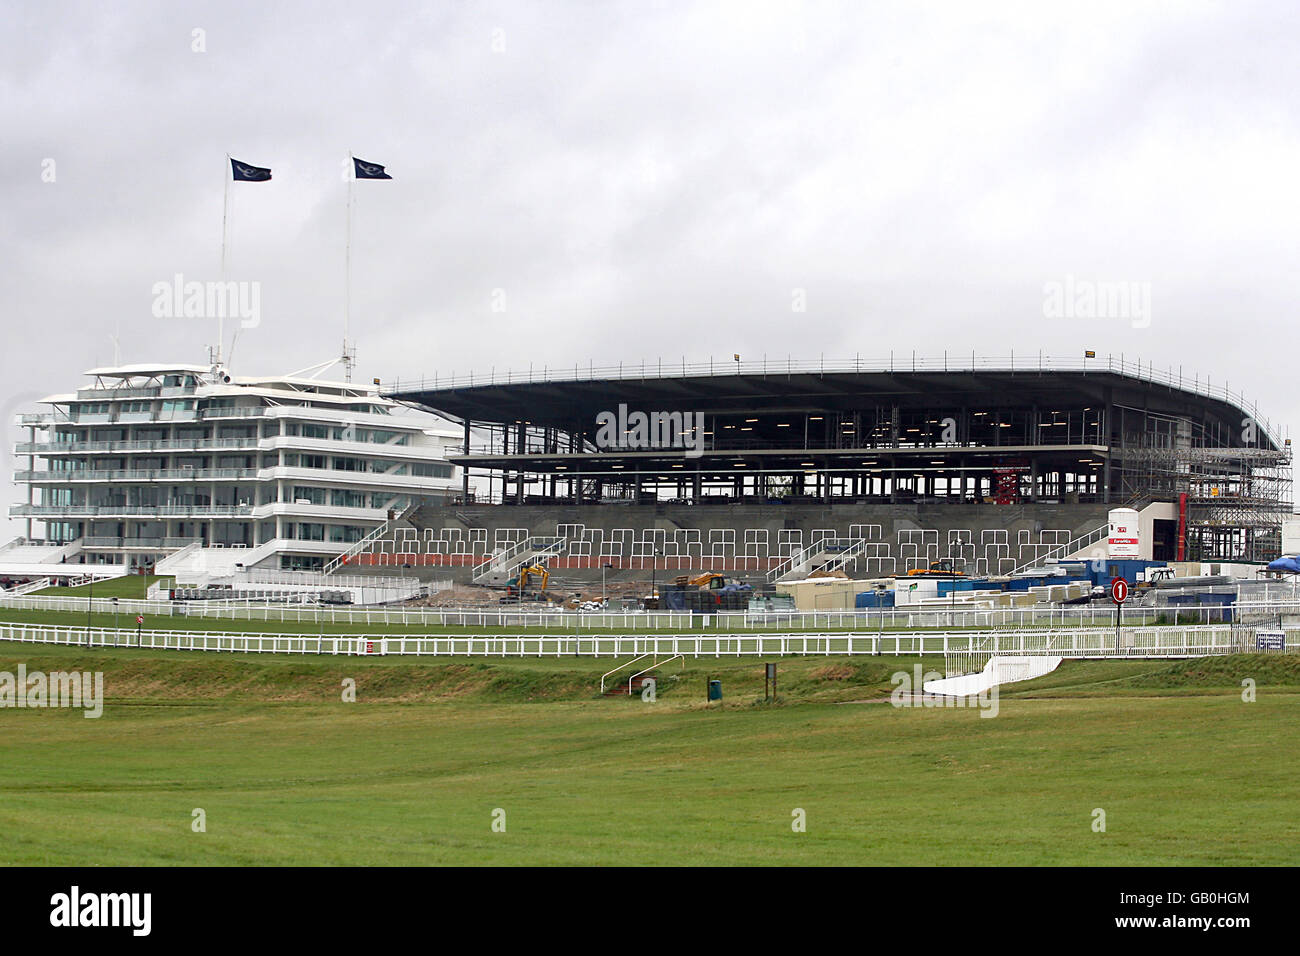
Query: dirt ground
[[472, 596]]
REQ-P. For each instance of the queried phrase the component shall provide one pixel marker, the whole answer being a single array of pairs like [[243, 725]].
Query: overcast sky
[[652, 180]]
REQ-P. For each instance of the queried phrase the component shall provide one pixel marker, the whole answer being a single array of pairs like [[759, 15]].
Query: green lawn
[[412, 772], [126, 586]]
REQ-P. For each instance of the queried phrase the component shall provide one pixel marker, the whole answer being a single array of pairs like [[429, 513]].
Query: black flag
[[245, 173], [367, 170]]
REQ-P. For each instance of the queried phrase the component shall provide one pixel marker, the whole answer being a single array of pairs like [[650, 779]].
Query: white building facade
[[149, 459]]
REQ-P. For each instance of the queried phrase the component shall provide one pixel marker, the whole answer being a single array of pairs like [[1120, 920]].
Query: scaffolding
[[1236, 497]]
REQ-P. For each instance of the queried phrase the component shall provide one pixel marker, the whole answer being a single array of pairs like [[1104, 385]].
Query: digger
[[517, 587], [709, 581]]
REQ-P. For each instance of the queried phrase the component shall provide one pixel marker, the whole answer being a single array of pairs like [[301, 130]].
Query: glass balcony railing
[[138, 474]]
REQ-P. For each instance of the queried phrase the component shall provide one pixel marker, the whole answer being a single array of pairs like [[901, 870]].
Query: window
[[431, 470], [347, 499], [303, 493]]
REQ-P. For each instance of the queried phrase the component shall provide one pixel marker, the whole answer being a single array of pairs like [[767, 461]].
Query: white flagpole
[[347, 269], [225, 218]]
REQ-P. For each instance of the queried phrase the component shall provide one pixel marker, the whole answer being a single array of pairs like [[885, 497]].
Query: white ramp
[[999, 670]]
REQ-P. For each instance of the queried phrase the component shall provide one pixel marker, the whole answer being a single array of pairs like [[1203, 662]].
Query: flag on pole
[[244, 173], [367, 170]]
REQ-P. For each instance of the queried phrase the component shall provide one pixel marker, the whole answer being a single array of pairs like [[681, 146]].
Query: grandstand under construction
[[999, 461]]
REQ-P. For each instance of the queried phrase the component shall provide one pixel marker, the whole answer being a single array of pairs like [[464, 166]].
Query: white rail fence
[[1156, 642], [933, 616]]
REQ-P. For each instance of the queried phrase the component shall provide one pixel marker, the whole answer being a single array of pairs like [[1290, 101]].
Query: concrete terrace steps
[[869, 541]]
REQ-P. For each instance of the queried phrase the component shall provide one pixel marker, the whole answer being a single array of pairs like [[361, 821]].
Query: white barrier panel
[[998, 671]]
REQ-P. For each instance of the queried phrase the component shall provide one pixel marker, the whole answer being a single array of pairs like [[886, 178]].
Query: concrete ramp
[[999, 670]]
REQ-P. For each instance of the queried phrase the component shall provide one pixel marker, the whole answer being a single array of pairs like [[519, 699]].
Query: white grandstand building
[[280, 472]]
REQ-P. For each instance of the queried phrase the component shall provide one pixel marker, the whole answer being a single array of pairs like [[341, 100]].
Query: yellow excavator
[[937, 569], [709, 581], [518, 585]]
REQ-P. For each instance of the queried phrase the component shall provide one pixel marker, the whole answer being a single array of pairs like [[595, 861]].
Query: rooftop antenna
[[117, 351]]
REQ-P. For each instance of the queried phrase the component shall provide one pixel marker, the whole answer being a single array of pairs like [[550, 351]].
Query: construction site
[[587, 485]]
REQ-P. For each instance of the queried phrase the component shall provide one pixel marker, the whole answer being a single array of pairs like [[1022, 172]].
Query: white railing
[[134, 474], [1168, 642], [522, 552], [1067, 549], [610, 673], [838, 552], [797, 559], [879, 620], [213, 511], [647, 670], [358, 546], [29, 587], [166, 565]]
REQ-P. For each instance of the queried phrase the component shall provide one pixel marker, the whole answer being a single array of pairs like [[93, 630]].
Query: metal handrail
[[1068, 548], [650, 668], [621, 666]]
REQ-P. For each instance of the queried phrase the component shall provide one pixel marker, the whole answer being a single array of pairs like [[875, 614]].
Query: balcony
[[151, 391], [136, 544], [158, 444], [131, 511], [142, 474], [211, 413], [372, 480]]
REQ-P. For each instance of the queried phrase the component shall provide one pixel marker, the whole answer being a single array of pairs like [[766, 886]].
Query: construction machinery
[[709, 581], [518, 586], [937, 569], [708, 592]]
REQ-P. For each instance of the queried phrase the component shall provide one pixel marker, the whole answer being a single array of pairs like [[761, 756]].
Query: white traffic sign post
[[1118, 594]]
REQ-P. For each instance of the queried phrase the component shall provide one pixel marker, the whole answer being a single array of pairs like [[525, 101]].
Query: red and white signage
[[1122, 540], [1119, 590]]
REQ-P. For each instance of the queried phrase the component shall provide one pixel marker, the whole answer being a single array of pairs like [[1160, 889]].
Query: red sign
[[139, 619], [1118, 590]]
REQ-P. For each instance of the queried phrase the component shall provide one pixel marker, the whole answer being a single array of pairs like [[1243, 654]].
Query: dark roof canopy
[[566, 404]]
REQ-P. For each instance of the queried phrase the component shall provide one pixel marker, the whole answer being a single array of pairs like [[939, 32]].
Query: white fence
[[1155, 642], [1084, 616]]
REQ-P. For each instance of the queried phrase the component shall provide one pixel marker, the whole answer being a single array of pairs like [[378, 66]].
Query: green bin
[[715, 690]]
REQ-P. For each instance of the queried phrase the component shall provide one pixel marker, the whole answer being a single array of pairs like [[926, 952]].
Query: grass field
[[125, 586], [287, 773]]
